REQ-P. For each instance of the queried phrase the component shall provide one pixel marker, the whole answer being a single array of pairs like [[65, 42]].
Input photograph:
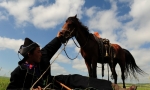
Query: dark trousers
[[82, 82]]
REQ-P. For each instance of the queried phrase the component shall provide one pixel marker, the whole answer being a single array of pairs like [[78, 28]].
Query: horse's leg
[[112, 68], [122, 66], [94, 67], [89, 67]]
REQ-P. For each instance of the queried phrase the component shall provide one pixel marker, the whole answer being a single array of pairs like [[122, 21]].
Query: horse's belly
[[104, 60]]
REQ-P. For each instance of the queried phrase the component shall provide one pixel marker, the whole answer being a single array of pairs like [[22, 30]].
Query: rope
[[47, 86], [46, 69], [84, 44], [77, 46], [72, 58]]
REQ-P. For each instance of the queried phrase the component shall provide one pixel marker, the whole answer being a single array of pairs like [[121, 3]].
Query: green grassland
[[5, 80], [140, 86]]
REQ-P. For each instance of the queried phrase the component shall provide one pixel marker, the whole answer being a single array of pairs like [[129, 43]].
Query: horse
[[92, 52]]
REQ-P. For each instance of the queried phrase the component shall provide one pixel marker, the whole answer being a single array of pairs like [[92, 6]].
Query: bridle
[[70, 32], [70, 36]]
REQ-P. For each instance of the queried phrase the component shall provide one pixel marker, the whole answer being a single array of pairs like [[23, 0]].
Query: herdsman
[[36, 61]]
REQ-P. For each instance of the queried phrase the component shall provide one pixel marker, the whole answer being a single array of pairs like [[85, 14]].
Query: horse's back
[[118, 49]]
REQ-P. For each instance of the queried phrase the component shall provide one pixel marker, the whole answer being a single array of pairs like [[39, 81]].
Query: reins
[[75, 44], [68, 56], [84, 44]]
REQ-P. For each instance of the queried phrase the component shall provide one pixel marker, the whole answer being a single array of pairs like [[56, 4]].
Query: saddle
[[105, 43], [110, 51]]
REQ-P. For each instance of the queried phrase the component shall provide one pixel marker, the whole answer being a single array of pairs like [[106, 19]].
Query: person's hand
[[38, 88], [59, 34], [61, 37]]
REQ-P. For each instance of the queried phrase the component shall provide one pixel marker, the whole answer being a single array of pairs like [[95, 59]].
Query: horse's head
[[69, 28]]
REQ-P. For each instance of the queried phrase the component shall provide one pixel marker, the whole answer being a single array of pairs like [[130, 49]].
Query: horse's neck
[[81, 38]]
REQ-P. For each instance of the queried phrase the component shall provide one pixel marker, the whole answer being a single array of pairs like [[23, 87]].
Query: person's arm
[[50, 49]]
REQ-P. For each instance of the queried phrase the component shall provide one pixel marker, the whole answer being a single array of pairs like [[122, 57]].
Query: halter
[[70, 32]]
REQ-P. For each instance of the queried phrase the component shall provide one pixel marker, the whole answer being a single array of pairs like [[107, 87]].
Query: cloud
[[92, 11], [7, 43], [141, 58], [77, 50], [79, 64], [104, 21], [140, 13], [58, 57], [41, 16], [137, 30], [131, 34], [56, 68], [54, 14], [70, 43], [19, 9], [3, 16]]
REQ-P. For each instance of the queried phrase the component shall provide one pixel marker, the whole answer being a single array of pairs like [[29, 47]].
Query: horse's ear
[[75, 16]]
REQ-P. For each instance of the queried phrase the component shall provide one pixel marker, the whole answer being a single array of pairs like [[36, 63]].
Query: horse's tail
[[131, 66]]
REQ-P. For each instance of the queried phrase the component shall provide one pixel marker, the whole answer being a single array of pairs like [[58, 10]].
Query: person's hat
[[27, 47]]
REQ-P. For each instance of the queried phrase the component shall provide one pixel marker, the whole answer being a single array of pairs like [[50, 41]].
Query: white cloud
[[19, 9], [54, 14], [139, 10], [58, 57], [70, 43], [124, 17], [137, 30], [104, 21], [3, 16], [79, 64], [42, 16], [7, 43], [77, 50], [56, 69], [92, 11], [138, 55]]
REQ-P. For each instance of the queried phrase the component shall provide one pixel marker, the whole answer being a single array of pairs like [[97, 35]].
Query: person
[[33, 64], [36, 61]]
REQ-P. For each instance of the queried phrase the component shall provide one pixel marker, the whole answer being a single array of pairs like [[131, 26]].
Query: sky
[[124, 22]]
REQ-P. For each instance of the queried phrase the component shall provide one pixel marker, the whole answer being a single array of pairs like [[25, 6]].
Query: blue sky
[[125, 22]]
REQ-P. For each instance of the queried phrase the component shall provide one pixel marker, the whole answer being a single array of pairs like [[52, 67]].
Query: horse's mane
[[83, 27]]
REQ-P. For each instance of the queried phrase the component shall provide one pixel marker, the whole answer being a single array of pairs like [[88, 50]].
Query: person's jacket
[[23, 77]]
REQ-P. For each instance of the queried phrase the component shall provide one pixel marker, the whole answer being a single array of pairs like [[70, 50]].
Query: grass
[[140, 86], [5, 80], [144, 86]]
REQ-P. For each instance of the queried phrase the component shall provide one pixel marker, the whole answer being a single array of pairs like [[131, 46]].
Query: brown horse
[[94, 53]]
